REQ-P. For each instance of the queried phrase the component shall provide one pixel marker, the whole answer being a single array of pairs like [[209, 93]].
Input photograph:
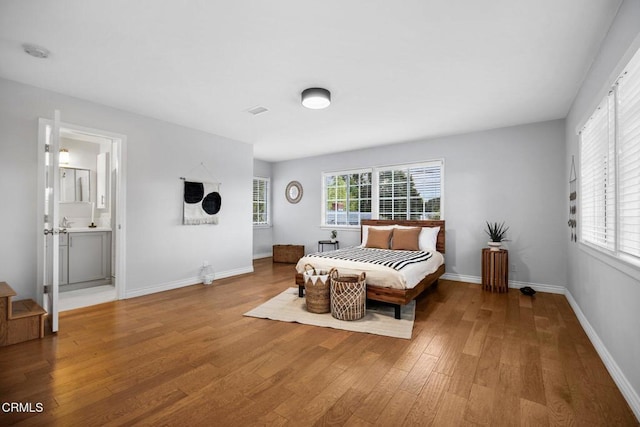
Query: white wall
[[160, 252], [514, 174], [262, 236], [605, 294]]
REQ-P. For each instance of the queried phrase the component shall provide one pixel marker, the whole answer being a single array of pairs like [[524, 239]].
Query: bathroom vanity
[[85, 255]]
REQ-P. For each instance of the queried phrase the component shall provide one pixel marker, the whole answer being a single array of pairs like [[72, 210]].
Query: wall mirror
[[75, 185], [293, 193]]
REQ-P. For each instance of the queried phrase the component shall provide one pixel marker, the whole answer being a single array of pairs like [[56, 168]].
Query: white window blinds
[[410, 192], [628, 109], [597, 174]]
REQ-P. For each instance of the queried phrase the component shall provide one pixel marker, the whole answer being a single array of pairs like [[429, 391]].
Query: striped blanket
[[387, 257]]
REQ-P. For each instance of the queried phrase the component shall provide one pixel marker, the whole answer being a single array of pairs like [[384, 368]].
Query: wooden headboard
[[440, 246]]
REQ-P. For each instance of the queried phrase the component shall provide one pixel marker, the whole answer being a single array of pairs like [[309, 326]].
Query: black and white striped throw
[[387, 257]]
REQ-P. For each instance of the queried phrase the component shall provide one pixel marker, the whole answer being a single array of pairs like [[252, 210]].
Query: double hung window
[[610, 170], [261, 201]]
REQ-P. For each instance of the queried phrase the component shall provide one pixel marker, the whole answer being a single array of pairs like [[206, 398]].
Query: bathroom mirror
[[75, 185]]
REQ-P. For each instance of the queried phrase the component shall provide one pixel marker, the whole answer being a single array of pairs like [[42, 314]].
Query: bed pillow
[[379, 239], [428, 237], [406, 239], [366, 228]]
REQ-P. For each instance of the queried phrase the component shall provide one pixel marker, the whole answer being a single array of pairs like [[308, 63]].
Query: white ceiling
[[397, 70]]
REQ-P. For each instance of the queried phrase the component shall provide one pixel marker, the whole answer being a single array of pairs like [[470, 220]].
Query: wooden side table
[[495, 270]]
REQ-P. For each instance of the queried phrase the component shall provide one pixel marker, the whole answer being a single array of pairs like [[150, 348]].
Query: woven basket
[[317, 286], [348, 296]]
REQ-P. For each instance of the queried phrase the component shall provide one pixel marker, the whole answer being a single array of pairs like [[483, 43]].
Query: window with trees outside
[[392, 192], [410, 192], [261, 201], [609, 198], [347, 197]]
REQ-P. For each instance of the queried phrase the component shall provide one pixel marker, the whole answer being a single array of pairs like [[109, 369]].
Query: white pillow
[[365, 231], [427, 239]]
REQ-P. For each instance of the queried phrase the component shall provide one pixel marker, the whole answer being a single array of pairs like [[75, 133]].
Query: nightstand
[[321, 243]]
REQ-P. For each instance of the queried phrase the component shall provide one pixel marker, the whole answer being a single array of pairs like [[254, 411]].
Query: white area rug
[[379, 320]]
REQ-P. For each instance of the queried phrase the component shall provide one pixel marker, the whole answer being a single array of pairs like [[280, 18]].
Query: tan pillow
[[406, 239], [379, 238]]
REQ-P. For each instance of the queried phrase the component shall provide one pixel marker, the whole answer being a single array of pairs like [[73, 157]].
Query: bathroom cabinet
[[89, 256]]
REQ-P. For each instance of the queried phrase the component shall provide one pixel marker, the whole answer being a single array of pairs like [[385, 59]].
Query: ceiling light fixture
[[316, 98], [36, 51]]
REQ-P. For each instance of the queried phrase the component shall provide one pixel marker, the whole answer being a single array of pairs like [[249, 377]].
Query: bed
[[397, 288]]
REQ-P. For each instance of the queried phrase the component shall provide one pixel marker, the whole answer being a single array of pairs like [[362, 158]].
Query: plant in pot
[[497, 233], [334, 234]]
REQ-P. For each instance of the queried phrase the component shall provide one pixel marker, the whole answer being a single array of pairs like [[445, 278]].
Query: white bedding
[[378, 275]]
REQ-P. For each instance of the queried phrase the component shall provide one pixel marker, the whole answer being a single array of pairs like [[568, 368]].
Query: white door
[[49, 268]]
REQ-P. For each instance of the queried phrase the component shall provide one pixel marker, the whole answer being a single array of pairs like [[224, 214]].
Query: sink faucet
[[65, 222]]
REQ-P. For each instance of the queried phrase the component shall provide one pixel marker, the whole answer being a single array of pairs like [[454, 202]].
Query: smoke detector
[[36, 51]]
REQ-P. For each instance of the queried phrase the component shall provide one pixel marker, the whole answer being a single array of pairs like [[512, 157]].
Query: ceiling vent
[[257, 110]]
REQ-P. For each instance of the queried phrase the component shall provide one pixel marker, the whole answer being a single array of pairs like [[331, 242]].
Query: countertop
[[87, 229]]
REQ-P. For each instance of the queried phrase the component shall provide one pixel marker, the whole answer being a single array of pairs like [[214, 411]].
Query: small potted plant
[[334, 234], [497, 233]]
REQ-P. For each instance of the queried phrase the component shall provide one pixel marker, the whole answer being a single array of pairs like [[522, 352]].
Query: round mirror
[[293, 193]]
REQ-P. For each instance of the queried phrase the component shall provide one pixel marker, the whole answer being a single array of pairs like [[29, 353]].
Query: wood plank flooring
[[189, 357]]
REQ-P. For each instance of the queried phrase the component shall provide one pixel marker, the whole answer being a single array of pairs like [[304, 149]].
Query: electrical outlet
[[513, 267]]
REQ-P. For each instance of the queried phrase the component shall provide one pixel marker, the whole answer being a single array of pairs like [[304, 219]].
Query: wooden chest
[[287, 253]]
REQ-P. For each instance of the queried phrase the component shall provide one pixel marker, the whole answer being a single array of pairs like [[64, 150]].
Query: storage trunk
[[287, 253]]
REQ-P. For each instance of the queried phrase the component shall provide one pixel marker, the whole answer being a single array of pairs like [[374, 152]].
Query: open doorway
[[90, 201]]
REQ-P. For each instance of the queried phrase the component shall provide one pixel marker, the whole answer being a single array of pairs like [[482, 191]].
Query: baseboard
[[185, 282], [539, 287], [461, 278], [262, 255], [618, 376]]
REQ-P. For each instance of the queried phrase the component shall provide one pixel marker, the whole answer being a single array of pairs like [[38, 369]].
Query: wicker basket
[[348, 296], [317, 286]]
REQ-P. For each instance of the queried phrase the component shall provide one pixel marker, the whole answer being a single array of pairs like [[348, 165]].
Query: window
[[261, 201], [610, 169], [410, 191], [347, 197], [390, 192]]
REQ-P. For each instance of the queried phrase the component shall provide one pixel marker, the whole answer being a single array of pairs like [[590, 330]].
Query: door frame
[[119, 159]]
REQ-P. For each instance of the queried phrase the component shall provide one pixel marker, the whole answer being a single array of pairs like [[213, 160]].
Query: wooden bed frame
[[398, 297]]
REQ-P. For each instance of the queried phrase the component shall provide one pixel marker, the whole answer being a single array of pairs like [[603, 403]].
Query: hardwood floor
[[189, 357]]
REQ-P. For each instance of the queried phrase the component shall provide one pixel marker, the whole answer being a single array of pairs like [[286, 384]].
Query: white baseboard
[[461, 278], [185, 282], [539, 287], [616, 373], [262, 255]]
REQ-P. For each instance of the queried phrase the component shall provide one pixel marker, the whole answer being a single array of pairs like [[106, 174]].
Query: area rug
[[379, 320]]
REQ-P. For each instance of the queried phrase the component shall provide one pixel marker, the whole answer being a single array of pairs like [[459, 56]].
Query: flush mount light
[[64, 156], [36, 51], [316, 98]]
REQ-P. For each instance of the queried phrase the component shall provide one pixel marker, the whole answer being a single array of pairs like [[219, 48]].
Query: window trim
[[375, 188], [267, 181]]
